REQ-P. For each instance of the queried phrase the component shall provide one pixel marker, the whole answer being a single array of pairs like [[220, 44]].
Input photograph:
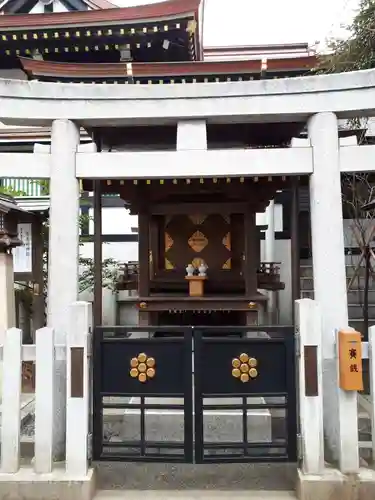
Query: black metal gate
[[194, 395]]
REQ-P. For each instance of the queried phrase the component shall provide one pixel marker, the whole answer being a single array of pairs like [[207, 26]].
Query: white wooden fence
[[46, 355]]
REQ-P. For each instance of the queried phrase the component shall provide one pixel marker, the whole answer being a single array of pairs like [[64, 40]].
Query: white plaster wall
[[115, 220], [123, 252]]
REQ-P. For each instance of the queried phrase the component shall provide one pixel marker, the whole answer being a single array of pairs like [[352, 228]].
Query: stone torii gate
[[318, 101]]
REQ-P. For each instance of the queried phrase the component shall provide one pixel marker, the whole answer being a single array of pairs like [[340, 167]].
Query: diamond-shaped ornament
[[198, 241]]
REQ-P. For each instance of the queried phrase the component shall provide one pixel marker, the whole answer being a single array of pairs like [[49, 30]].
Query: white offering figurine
[[202, 269], [190, 270]]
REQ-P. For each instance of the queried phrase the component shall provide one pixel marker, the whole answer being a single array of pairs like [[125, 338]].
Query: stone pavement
[[133, 477], [195, 495]]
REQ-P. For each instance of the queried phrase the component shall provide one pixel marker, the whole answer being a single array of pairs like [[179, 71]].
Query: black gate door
[[135, 378], [244, 399], [194, 395]]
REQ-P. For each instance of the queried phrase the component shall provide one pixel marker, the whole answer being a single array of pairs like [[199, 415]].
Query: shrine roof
[[137, 72], [152, 12]]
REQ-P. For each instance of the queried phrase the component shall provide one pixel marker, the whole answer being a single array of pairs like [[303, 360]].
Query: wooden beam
[[199, 208], [144, 248]]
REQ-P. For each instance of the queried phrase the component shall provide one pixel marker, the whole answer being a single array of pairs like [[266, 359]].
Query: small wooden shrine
[[199, 249]]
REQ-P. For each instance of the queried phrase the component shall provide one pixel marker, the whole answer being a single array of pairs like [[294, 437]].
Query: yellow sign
[[350, 360]]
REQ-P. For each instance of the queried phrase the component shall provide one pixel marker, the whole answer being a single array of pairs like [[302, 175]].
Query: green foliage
[[11, 192], [44, 186], [357, 51], [110, 274]]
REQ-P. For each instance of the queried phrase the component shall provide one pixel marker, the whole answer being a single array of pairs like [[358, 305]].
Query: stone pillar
[[269, 253], [270, 233], [191, 134], [340, 407], [62, 254]]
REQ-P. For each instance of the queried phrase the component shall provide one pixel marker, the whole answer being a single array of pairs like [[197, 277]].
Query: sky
[[252, 22]]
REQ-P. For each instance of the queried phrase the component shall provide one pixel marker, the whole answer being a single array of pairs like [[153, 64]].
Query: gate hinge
[[299, 447], [297, 339]]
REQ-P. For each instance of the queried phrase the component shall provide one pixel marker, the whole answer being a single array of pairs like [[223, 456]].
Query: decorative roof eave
[[91, 4], [39, 68], [8, 204], [170, 9]]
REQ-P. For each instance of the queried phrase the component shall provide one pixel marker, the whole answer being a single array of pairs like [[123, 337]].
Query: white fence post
[[308, 321], [11, 401], [44, 400], [78, 400], [371, 354]]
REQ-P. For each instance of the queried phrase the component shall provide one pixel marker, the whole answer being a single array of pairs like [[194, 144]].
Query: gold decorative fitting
[[243, 367], [142, 367], [252, 305], [142, 305], [236, 363], [244, 358], [142, 357], [252, 362]]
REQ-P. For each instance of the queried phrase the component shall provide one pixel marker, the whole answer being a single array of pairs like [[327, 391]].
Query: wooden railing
[[268, 276]]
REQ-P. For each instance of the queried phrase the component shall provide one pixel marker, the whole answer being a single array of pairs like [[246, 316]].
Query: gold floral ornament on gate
[[142, 367], [244, 367]]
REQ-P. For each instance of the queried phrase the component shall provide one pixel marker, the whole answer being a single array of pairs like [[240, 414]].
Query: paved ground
[[184, 477], [195, 495]]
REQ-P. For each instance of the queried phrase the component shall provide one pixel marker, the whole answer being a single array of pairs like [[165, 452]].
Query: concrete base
[[327, 486], [27, 485], [332, 485], [366, 484]]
